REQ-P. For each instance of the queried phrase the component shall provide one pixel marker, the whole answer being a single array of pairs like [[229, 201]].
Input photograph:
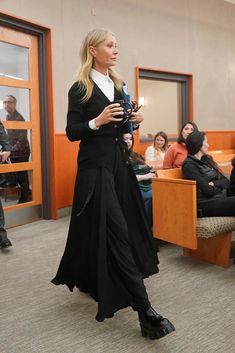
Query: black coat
[[97, 146], [203, 172], [18, 140], [231, 189], [109, 249]]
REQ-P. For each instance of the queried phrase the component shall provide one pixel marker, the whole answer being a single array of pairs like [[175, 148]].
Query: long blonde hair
[[93, 38]]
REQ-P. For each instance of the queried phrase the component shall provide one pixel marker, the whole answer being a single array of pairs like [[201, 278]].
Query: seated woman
[[154, 154], [143, 174], [231, 189], [177, 152], [212, 199]]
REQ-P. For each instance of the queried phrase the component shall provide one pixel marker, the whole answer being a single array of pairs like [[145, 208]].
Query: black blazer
[[97, 147]]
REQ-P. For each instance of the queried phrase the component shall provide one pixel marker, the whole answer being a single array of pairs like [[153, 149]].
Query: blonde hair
[[93, 38]]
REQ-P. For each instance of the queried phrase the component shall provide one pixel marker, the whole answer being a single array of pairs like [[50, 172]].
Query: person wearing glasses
[[20, 146], [4, 155], [109, 249]]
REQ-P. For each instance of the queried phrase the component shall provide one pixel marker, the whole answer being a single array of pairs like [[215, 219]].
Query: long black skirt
[[109, 249]]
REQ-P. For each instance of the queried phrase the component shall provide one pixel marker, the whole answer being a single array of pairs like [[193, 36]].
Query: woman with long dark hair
[[144, 175], [177, 152]]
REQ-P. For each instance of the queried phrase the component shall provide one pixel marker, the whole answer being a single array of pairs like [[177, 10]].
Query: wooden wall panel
[[65, 169], [220, 140], [66, 160]]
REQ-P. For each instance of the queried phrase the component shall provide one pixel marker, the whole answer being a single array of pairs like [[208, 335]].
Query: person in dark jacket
[[231, 189], [144, 175], [109, 248], [19, 145], [6, 151], [212, 185]]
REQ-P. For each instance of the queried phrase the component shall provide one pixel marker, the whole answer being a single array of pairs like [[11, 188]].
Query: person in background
[[212, 185], [177, 152], [20, 146], [144, 175], [157, 151], [231, 189], [109, 249], [6, 147]]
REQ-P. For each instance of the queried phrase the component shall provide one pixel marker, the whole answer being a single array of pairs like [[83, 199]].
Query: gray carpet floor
[[38, 317]]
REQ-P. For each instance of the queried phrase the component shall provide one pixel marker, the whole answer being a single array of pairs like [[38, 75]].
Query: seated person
[[177, 152], [231, 189], [156, 152], [212, 199], [143, 174]]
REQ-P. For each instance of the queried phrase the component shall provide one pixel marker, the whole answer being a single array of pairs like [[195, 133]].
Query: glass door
[[20, 178]]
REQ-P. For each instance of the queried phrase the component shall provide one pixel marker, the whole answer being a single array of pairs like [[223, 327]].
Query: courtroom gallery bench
[[175, 220]]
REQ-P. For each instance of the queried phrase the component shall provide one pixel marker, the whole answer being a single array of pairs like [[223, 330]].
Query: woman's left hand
[[136, 117]]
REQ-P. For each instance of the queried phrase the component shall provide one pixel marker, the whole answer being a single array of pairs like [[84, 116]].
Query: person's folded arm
[[192, 172], [222, 183]]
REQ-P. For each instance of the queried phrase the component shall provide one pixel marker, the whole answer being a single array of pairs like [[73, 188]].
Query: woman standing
[[157, 151], [109, 248], [177, 152]]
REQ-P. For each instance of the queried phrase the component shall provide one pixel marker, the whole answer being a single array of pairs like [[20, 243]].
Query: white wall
[[187, 36]]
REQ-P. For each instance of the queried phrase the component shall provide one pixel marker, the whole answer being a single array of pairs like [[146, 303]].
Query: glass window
[[161, 108], [13, 61], [14, 102]]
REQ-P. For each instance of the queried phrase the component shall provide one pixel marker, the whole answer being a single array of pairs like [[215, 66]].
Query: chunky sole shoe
[[5, 243], [164, 328], [154, 325]]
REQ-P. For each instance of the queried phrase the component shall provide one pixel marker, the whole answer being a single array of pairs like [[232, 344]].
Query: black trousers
[[221, 207]]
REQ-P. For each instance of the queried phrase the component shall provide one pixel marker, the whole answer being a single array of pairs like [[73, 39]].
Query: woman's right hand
[[113, 112], [147, 176]]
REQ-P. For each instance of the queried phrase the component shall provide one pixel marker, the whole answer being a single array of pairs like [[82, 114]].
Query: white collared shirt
[[104, 82], [106, 85]]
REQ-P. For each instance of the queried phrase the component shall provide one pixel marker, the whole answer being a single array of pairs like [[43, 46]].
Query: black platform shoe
[[154, 325], [5, 242]]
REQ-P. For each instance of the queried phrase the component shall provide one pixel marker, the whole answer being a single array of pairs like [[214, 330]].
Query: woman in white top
[[156, 152]]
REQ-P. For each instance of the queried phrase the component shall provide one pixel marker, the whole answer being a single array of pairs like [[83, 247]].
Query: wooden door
[[20, 115]]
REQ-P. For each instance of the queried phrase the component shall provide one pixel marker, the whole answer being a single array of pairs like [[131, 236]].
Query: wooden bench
[[175, 220]]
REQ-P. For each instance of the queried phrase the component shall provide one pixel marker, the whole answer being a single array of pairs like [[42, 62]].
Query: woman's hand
[[4, 155], [136, 117], [113, 112], [147, 176]]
